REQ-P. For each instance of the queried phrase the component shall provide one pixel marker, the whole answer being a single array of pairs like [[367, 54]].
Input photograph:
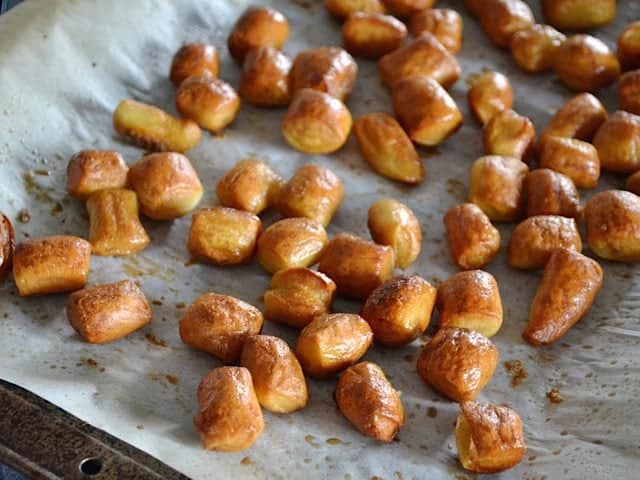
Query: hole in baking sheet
[[91, 466]]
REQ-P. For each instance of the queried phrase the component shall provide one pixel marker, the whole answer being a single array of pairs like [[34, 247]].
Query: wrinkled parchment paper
[[64, 66]]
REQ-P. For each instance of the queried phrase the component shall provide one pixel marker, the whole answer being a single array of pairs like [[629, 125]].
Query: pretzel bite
[[633, 183], [7, 245], [290, 243], [579, 15], [399, 310], [257, 27], [316, 122], [297, 295], [473, 240], [585, 63], [629, 91], [105, 313], [154, 129], [219, 325], [533, 240], [341, 9], [55, 264], [471, 300], [328, 70], [579, 118], [331, 343], [443, 23], [114, 226], [501, 19], [167, 185], [393, 223], [372, 35], [251, 185], [496, 187], [574, 158], [613, 225], [90, 171], [265, 78], [406, 8], [551, 193], [223, 236], [387, 148], [277, 376], [194, 60], [313, 192], [425, 110], [458, 363], [618, 143], [629, 46], [424, 56], [509, 134], [534, 48], [210, 102], [490, 93], [566, 292], [489, 437], [229, 418], [368, 400], [357, 265]]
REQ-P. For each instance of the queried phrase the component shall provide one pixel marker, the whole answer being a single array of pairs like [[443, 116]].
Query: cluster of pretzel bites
[[459, 361]]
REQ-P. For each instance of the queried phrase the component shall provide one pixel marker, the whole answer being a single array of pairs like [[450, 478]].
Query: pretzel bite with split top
[[329, 70], [368, 400], [277, 376], [114, 226], [387, 148], [551, 193], [331, 343], [393, 223], [210, 102], [372, 35], [613, 225], [297, 295], [489, 437], [618, 143], [154, 129], [580, 117], [167, 185], [55, 264], [497, 187], [509, 134], [341, 9], [219, 325], [471, 300], [425, 110], [265, 78], [423, 57], [223, 236], [313, 192], [574, 158], [257, 27], [7, 245], [90, 171], [473, 240], [534, 48], [105, 313], [251, 185], [568, 288], [443, 23], [458, 363], [501, 19], [229, 418], [290, 243], [194, 60], [316, 122], [533, 240], [357, 265], [399, 310], [490, 94]]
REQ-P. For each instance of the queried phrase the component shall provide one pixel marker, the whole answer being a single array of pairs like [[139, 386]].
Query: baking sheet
[[65, 65]]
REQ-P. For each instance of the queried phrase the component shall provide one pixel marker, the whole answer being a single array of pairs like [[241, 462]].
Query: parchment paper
[[64, 66]]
